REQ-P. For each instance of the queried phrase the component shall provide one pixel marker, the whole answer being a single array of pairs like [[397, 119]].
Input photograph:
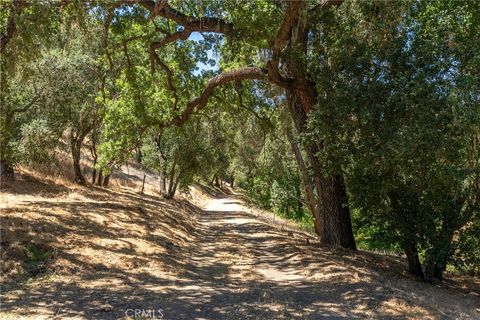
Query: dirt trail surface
[[116, 254]]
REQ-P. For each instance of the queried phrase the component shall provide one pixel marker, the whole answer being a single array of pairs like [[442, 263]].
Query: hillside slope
[[91, 253]]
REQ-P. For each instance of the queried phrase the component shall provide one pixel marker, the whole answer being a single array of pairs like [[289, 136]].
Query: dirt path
[[243, 268], [233, 266]]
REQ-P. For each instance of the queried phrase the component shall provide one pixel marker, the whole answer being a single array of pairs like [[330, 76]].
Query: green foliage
[[398, 117], [50, 89], [466, 248], [37, 143], [266, 169], [37, 254], [184, 148], [37, 259]]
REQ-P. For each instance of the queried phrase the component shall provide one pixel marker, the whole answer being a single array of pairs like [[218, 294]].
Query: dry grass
[[81, 222], [204, 255]]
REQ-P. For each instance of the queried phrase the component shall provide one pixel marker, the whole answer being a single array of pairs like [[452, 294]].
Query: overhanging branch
[[204, 24], [200, 101]]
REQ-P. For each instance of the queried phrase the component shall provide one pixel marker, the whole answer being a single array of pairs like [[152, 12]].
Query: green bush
[[37, 143]]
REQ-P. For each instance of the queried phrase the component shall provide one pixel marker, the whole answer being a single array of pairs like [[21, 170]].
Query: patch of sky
[[202, 67]]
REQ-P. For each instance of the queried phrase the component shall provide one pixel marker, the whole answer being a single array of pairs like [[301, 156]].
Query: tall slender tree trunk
[[143, 183], [75, 146], [93, 150], [307, 183], [94, 170], [78, 178], [94, 154], [163, 166], [175, 185], [100, 178], [139, 155], [172, 182], [163, 182]]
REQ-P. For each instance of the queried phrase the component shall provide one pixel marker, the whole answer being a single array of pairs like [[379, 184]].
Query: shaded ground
[[112, 252]]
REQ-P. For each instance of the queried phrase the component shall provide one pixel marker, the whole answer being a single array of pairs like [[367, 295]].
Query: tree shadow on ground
[[117, 251]]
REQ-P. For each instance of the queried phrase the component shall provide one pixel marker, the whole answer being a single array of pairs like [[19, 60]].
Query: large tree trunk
[[333, 222], [106, 181], [331, 212], [414, 265], [7, 173]]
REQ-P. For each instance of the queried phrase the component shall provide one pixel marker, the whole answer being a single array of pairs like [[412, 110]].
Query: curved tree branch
[[189, 24], [106, 25], [284, 31], [10, 28], [281, 39], [217, 25], [200, 102], [181, 35], [205, 24], [170, 85]]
